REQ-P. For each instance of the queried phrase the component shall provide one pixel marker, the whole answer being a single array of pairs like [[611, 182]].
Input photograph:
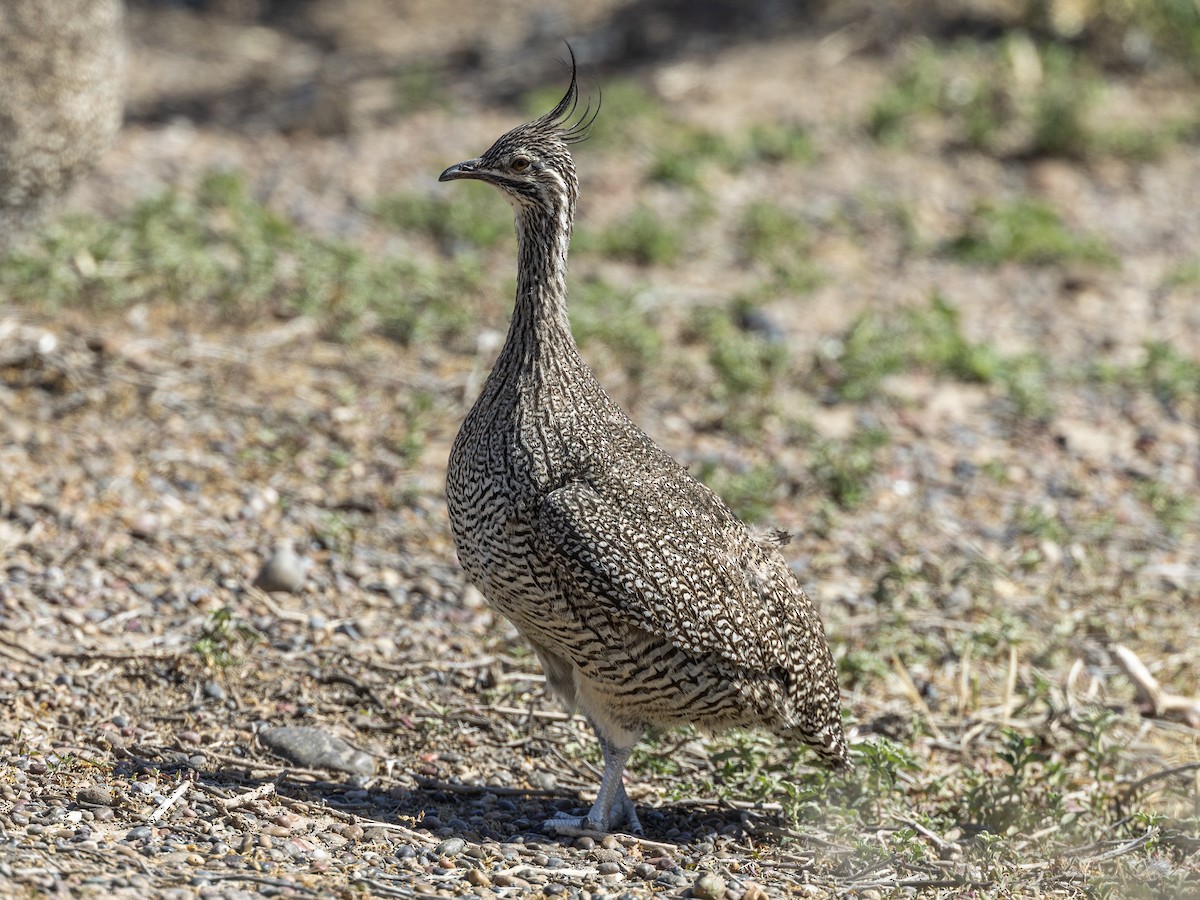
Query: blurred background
[[917, 281]]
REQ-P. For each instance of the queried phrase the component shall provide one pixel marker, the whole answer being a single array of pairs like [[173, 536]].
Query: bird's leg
[[612, 807]]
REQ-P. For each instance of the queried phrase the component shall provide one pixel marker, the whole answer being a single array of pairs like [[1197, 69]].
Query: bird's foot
[[574, 826], [595, 823]]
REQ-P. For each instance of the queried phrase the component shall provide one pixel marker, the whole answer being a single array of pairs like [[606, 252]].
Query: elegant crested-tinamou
[[648, 602]]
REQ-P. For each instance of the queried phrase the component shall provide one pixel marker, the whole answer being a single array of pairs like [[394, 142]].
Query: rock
[[507, 879], [214, 691], [645, 870], [94, 795], [312, 748], [450, 847], [754, 892], [709, 887], [478, 878], [283, 571]]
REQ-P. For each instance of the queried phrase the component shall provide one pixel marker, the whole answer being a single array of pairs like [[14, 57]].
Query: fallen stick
[[1153, 700], [169, 801], [263, 790]]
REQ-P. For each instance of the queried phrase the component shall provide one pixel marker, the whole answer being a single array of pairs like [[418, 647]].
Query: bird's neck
[[540, 332]]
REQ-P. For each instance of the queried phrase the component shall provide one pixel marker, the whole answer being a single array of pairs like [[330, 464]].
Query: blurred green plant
[[1013, 97], [842, 469], [642, 237], [222, 636], [1024, 231], [749, 492], [471, 219], [603, 314], [220, 252], [779, 240]]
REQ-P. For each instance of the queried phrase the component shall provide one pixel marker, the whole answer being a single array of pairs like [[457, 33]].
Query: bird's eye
[[520, 163]]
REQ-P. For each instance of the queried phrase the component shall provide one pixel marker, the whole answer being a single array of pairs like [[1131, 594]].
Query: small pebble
[[478, 878], [451, 847], [214, 691], [283, 571], [94, 795], [754, 892], [709, 887], [608, 868], [506, 879]]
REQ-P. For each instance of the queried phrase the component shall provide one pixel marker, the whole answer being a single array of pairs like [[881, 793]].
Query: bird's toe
[[575, 826]]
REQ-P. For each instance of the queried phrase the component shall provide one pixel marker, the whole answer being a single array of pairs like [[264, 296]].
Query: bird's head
[[531, 165]]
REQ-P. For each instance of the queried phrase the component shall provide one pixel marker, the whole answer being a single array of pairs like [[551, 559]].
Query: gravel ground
[[241, 659]]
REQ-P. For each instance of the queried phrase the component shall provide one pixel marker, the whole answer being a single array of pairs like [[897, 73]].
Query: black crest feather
[[559, 117]]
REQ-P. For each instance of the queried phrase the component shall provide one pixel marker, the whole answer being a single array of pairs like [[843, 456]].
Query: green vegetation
[[417, 408], [1172, 377], [931, 338], [842, 469], [748, 492], [683, 153], [1012, 97], [1186, 274], [221, 253], [746, 363], [419, 87], [1025, 231], [602, 314], [915, 91], [222, 636], [1017, 797], [643, 237], [778, 239], [681, 158], [1008, 806], [630, 111], [467, 220], [1175, 511], [1173, 26]]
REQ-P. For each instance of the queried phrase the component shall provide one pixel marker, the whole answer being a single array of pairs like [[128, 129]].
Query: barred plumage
[[648, 601]]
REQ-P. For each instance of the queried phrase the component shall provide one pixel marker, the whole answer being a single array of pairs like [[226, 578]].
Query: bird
[[648, 602]]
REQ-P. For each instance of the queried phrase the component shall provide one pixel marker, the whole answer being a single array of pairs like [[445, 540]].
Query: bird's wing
[[676, 562]]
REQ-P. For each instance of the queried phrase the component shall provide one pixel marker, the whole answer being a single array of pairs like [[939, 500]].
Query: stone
[[284, 571], [312, 748]]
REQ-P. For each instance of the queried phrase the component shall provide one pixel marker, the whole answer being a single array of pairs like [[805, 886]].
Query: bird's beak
[[468, 169]]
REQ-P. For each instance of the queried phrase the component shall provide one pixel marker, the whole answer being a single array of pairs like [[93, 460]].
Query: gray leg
[[612, 808]]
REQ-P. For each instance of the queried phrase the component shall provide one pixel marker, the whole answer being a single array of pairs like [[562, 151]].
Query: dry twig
[[1152, 699]]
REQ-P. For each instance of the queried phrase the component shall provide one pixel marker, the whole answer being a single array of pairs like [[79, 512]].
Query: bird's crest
[[557, 119]]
